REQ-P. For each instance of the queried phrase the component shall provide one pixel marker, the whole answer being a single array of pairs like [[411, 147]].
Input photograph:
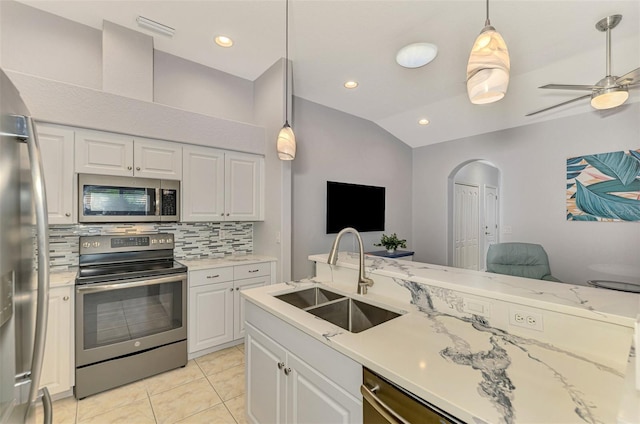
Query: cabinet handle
[[287, 371], [67, 214], [227, 213], [213, 276], [129, 168], [237, 288], [137, 168], [254, 270], [231, 289], [280, 365], [65, 298], [222, 214]]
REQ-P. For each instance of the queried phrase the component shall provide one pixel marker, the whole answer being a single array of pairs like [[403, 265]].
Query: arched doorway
[[473, 213]]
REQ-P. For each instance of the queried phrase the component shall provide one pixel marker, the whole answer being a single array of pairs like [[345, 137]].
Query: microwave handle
[[158, 201]]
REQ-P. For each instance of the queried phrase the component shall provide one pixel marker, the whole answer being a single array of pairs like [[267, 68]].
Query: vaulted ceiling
[[335, 41]]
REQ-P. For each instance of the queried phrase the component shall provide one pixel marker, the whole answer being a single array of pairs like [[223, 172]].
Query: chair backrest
[[519, 259]]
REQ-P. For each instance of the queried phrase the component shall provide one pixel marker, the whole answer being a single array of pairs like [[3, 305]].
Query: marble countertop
[[588, 302], [462, 364], [230, 260]]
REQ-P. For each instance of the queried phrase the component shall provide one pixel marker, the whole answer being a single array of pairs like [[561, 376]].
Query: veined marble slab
[[598, 304], [461, 363], [229, 260]]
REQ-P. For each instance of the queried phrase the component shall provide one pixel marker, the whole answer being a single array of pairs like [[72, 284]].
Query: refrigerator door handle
[[47, 406], [42, 235]]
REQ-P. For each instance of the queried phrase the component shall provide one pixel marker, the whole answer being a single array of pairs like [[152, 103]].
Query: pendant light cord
[[487, 22], [286, 66]]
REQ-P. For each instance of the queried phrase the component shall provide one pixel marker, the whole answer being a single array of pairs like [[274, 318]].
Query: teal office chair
[[519, 259]]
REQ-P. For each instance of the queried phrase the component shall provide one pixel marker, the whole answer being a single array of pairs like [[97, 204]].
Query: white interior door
[[490, 217], [466, 226]]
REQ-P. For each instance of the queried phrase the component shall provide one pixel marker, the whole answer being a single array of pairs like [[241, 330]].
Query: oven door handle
[[91, 288], [382, 408]]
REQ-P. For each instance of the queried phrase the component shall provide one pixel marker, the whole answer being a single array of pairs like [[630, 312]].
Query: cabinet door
[[202, 184], [265, 378], [103, 153], [56, 145], [157, 159], [312, 398], [58, 366], [238, 302], [210, 316], [243, 187]]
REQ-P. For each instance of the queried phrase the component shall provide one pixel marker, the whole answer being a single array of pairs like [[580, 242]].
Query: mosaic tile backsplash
[[192, 240]]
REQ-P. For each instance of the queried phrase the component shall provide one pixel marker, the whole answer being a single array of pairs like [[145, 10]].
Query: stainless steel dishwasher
[[384, 402]]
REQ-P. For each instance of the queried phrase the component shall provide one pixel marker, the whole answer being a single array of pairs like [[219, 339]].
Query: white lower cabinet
[[58, 366], [216, 312], [304, 382], [210, 315]]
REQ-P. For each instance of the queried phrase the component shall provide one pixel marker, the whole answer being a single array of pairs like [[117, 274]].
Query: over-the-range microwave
[[106, 198]]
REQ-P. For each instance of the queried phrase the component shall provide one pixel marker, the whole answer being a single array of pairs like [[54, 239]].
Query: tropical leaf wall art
[[604, 187]]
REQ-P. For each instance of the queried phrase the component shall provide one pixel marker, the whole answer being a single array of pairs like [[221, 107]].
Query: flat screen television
[[354, 205]]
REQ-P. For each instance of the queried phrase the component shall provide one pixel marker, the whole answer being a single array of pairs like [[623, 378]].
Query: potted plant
[[391, 243]]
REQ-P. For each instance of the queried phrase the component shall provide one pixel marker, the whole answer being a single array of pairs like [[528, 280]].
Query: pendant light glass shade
[[286, 144], [488, 67]]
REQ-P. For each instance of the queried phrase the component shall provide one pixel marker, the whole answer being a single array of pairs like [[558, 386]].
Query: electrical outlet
[[526, 319]]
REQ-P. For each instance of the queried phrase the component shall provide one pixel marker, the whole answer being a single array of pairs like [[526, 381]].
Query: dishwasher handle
[[382, 408]]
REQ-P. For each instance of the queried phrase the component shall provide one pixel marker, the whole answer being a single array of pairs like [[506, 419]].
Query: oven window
[[109, 200], [119, 315]]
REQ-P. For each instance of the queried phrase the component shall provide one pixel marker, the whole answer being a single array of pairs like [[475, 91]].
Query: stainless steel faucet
[[363, 282]]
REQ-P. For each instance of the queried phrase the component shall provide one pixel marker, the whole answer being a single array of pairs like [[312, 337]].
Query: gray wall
[[190, 86], [39, 43], [273, 235], [335, 146], [532, 161]]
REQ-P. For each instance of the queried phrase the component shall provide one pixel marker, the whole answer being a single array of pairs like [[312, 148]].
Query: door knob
[[280, 365], [137, 168], [67, 214], [129, 168], [287, 371]]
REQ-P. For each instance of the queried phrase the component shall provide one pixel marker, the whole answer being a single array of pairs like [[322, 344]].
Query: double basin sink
[[345, 312]]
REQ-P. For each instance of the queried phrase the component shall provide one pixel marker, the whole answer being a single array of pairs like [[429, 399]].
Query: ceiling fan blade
[[569, 87], [559, 104], [629, 78]]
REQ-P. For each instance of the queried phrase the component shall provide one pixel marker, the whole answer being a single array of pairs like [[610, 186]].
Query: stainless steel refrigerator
[[24, 292]]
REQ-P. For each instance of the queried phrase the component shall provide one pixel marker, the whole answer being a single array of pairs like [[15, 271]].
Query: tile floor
[[210, 389]]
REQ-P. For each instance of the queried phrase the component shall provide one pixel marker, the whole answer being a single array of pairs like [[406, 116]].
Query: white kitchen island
[[457, 346]]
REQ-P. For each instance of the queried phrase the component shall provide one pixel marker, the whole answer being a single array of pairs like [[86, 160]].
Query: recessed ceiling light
[[224, 41], [423, 121], [351, 84], [416, 55]]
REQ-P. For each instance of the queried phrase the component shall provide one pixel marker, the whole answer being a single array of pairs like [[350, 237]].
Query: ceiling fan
[[610, 91]]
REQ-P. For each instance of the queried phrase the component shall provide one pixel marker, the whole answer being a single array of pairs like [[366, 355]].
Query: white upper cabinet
[[157, 159], [243, 185], [104, 153], [202, 184], [56, 145], [116, 154], [221, 186]]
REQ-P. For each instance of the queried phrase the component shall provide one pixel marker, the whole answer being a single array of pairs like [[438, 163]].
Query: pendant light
[[488, 67], [286, 143]]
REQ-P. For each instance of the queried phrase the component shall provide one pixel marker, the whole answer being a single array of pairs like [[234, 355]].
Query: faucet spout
[[363, 282]]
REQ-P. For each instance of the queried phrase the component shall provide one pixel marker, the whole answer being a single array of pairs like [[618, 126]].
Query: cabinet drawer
[[210, 276], [253, 270]]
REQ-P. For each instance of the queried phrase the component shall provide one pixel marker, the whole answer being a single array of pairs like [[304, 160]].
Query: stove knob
[[154, 241], [161, 241], [86, 244], [96, 244]]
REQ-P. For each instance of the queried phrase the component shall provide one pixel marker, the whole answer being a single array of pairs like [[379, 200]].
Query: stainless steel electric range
[[131, 310]]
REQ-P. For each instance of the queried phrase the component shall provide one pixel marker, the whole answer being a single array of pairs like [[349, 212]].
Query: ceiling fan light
[[286, 144], [609, 98], [488, 68]]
